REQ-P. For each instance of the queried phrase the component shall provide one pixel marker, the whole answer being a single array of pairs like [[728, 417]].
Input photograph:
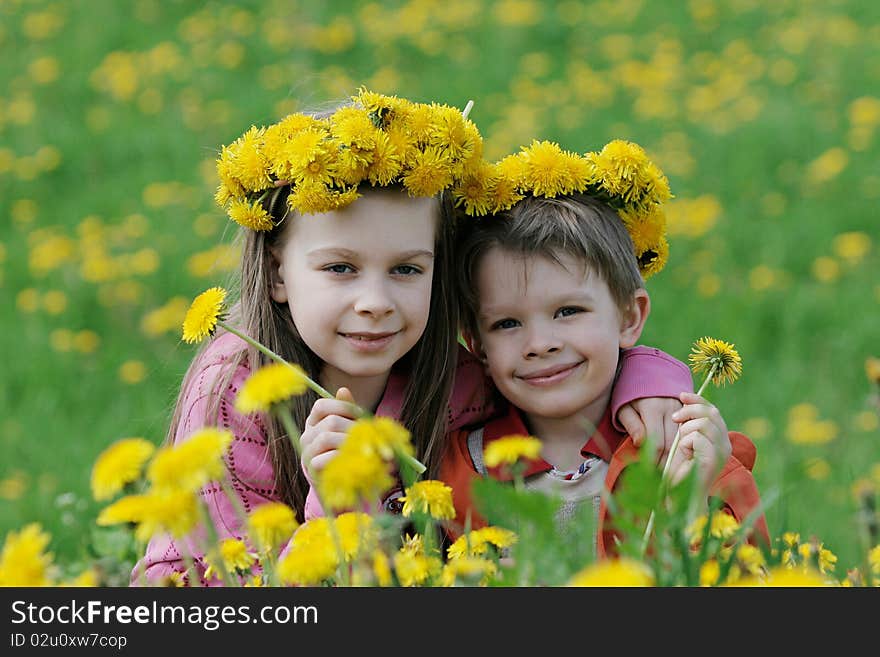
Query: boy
[[551, 293]]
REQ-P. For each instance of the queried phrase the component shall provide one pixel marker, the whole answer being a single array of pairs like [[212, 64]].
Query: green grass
[[802, 341]]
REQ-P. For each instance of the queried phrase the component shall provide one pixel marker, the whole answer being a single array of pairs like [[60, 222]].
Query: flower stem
[[271, 354], [292, 432], [650, 527]]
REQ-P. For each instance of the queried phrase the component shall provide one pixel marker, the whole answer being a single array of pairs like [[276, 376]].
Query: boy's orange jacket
[[734, 485]]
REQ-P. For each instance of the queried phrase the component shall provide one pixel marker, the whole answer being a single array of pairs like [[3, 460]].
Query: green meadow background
[[764, 116]]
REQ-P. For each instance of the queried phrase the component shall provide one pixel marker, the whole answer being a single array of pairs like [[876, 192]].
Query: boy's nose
[[541, 344]]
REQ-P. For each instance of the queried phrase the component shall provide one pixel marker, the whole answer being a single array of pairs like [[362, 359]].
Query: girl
[[354, 283]]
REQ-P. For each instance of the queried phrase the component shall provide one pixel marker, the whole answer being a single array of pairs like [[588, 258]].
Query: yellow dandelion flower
[[655, 186], [230, 187], [206, 310], [513, 168], [620, 168], [614, 572], [357, 533], [420, 122], [717, 358], [235, 555], [449, 132], [645, 228], [468, 571], [503, 194], [474, 191], [271, 524], [385, 108], [653, 259], [118, 465], [351, 477], [387, 162], [429, 173], [415, 569], [413, 544], [751, 558], [271, 384], [546, 169], [190, 464], [381, 436], [24, 560], [172, 511], [248, 165], [320, 169], [430, 496], [352, 126], [316, 198], [724, 526], [297, 152], [510, 449], [308, 565], [250, 214]]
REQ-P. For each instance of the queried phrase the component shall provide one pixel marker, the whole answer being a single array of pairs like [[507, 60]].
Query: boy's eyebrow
[[348, 254]]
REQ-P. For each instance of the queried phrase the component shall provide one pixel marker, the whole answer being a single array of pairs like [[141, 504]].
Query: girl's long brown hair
[[430, 364]]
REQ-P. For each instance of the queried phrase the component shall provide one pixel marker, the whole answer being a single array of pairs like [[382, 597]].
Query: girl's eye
[[567, 311], [504, 324], [339, 269], [407, 270]]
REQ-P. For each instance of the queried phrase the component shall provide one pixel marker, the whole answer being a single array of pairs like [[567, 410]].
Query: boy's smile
[[551, 334]]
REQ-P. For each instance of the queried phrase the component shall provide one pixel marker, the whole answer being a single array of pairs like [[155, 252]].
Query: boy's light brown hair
[[578, 225]]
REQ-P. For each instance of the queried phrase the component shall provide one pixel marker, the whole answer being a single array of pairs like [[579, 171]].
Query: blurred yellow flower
[[206, 310], [872, 369], [782, 576], [190, 464], [381, 436], [271, 524], [132, 372], [477, 541], [827, 166], [353, 476], [235, 555], [429, 496], [614, 572], [723, 526], [825, 269], [118, 465], [415, 569], [852, 246], [172, 511], [271, 384], [710, 571], [166, 318], [874, 559], [381, 568], [357, 533], [469, 571], [24, 560], [510, 449], [308, 565]]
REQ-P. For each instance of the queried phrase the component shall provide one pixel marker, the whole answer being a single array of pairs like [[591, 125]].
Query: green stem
[[271, 354], [292, 432], [663, 481]]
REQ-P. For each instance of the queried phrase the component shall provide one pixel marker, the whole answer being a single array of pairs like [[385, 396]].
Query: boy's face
[[550, 334]]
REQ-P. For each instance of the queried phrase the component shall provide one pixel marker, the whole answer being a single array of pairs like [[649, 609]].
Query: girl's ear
[[277, 289], [633, 320]]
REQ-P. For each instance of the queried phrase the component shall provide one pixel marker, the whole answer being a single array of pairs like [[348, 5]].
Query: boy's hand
[[326, 427], [703, 443], [651, 417]]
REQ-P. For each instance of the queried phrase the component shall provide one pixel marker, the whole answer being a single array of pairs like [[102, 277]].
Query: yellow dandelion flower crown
[[621, 174], [379, 139]]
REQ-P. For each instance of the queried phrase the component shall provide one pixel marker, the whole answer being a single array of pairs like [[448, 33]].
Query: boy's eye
[[407, 270], [567, 311], [505, 324], [339, 269]]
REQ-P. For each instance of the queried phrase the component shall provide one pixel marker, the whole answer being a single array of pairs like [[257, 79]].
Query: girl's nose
[[374, 299]]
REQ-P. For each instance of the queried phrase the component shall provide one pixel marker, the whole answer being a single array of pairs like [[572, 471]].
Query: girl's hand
[[651, 417], [703, 443], [326, 427]]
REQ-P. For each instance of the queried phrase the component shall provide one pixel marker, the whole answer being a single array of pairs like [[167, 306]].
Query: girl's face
[[358, 280]]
